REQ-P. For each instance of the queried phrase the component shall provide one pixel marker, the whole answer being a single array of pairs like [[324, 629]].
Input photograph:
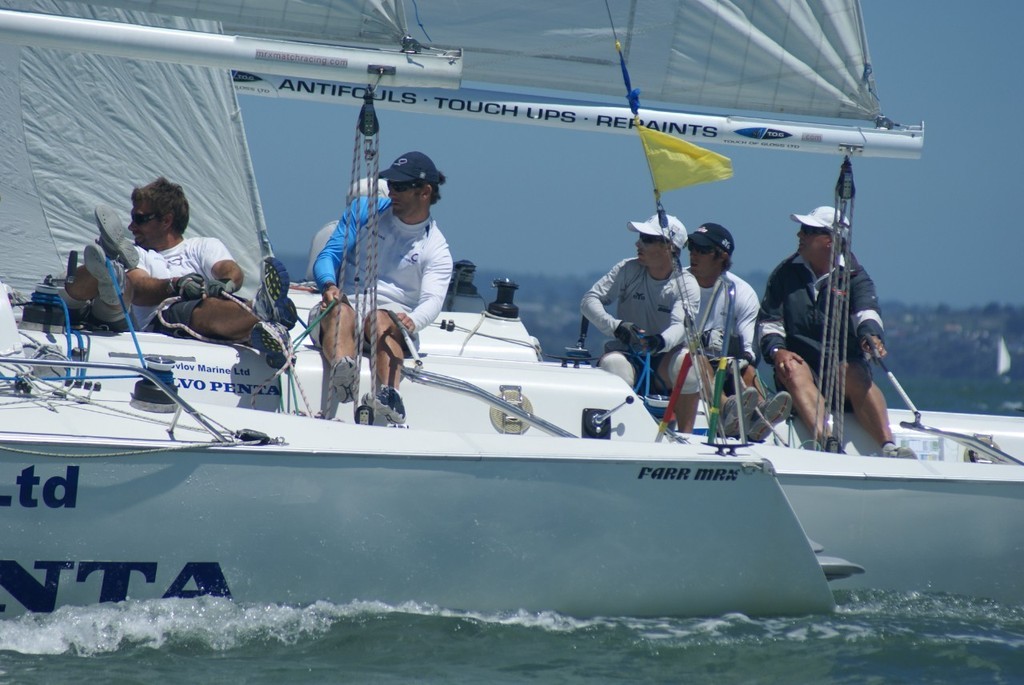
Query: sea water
[[872, 637]]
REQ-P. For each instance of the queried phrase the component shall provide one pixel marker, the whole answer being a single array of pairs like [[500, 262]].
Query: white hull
[[102, 505]]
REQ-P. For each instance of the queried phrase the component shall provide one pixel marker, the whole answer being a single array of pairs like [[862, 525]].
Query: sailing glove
[[218, 288], [629, 333], [654, 343], [189, 287]]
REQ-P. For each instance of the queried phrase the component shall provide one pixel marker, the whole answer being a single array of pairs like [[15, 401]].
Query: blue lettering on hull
[[195, 579]]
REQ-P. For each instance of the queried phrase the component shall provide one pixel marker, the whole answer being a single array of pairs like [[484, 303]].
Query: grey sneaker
[[890, 449], [343, 378], [769, 413], [272, 340], [271, 302], [388, 404], [96, 264], [115, 243], [731, 418]]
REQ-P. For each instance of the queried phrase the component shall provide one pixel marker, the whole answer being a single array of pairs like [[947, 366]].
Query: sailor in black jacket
[[791, 324]]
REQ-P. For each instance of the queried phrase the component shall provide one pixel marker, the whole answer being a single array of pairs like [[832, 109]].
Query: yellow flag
[[676, 163]]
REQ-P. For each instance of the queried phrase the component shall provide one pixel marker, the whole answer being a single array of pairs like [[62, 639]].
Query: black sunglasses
[[701, 249], [402, 186], [813, 230], [138, 218], [647, 239]]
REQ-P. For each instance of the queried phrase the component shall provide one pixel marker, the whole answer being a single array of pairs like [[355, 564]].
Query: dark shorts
[[657, 385], [178, 313]]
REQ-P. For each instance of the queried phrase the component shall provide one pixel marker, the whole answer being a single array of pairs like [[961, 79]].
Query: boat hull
[[455, 525], [914, 525]]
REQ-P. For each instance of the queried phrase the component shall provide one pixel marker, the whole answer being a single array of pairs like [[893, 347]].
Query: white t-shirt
[[191, 255], [744, 314]]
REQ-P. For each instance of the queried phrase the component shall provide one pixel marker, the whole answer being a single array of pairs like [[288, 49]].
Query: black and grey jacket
[[793, 315]]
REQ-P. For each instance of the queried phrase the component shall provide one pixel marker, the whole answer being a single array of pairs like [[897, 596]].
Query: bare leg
[[808, 402], [337, 333], [868, 403], [219, 318], [390, 350], [84, 286]]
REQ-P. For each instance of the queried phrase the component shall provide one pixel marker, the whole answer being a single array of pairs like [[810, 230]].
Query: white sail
[[792, 58], [80, 129], [785, 56], [1002, 358]]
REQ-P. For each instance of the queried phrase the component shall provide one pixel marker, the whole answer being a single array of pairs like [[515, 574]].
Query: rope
[[831, 379]]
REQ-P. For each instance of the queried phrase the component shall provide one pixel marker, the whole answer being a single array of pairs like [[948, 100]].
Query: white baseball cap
[[820, 217], [675, 231]]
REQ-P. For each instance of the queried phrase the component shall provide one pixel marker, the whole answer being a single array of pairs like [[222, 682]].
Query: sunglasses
[[402, 186], [699, 249], [651, 239], [813, 230], [138, 218]]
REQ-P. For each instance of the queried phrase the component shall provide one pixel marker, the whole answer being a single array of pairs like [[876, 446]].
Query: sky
[[941, 230]]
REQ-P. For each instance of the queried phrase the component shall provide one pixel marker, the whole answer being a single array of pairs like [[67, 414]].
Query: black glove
[[654, 343], [220, 287], [628, 333], [189, 287]]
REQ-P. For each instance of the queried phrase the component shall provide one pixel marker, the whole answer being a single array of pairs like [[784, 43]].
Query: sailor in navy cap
[[414, 267]]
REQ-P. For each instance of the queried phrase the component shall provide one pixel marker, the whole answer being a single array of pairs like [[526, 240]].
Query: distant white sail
[[1002, 358]]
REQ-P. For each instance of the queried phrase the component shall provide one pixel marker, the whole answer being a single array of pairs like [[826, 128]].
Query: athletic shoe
[[731, 418], [271, 338], [271, 302], [115, 243], [343, 379], [769, 413], [96, 264], [388, 404], [891, 450]]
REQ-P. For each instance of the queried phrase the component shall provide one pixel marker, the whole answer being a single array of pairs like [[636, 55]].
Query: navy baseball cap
[[412, 166], [713, 235]]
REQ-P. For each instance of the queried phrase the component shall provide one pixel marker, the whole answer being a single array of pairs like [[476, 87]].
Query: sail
[[805, 57], [1002, 358], [81, 129], [544, 63]]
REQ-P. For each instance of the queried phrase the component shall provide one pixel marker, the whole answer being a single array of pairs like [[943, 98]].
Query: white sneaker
[[731, 418], [115, 243], [769, 413], [96, 264]]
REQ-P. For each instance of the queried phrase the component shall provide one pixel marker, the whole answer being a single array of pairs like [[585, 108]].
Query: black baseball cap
[[713, 235], [412, 166]]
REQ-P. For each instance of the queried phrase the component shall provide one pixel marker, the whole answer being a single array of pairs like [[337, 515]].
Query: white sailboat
[[1002, 358], [519, 483]]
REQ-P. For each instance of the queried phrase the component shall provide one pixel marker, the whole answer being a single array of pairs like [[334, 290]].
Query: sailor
[[792, 324], [177, 285], [413, 266], [711, 248], [653, 297], [359, 206]]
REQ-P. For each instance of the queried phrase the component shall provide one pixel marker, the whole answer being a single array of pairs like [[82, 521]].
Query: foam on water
[[219, 625]]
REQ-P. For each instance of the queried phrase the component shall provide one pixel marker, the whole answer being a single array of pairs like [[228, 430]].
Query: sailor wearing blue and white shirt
[[414, 267]]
